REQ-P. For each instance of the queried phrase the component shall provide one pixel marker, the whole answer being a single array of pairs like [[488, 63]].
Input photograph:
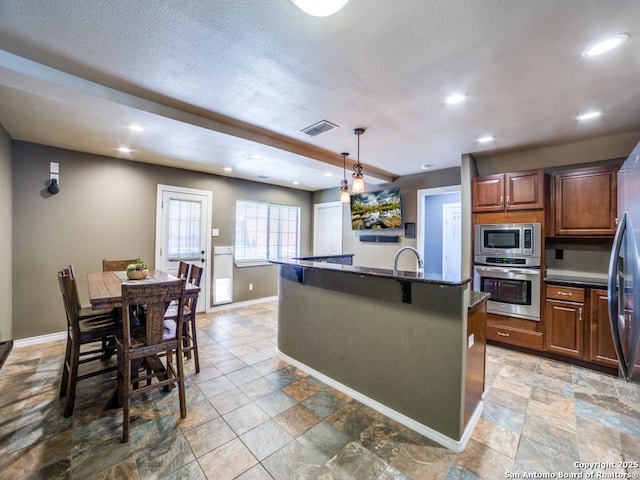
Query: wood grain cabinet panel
[[601, 347], [564, 328], [585, 202], [509, 191]]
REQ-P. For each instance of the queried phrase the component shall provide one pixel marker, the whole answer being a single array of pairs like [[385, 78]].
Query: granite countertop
[[433, 278], [476, 298], [576, 280]]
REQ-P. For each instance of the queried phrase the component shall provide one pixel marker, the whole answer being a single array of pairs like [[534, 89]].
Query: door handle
[[508, 200], [580, 314], [501, 201]]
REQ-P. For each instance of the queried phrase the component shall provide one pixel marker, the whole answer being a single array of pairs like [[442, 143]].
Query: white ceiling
[[215, 82]]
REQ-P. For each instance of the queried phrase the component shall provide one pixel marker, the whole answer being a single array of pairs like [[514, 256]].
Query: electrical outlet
[[251, 286]]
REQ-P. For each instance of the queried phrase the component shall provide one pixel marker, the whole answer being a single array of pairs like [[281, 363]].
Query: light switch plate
[[215, 232], [54, 167]]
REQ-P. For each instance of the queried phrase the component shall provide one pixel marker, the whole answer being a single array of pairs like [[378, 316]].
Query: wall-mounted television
[[376, 210]]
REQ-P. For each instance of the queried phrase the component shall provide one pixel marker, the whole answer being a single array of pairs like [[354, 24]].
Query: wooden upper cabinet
[[585, 202], [509, 191]]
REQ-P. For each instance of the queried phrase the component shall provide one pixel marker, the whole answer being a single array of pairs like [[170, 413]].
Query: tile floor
[[253, 417]]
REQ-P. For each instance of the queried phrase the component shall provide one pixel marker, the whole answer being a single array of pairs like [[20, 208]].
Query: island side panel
[[406, 357]]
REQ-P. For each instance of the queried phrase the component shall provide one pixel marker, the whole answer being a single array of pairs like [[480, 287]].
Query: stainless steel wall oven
[[507, 265]]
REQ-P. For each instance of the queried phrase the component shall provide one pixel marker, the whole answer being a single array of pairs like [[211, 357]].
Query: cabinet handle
[[565, 294], [503, 334], [580, 314], [501, 201], [508, 201]]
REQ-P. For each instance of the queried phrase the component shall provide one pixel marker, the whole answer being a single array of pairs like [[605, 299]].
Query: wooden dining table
[[105, 288], [105, 292]]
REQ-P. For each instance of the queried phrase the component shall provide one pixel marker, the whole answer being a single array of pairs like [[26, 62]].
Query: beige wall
[[569, 154], [380, 255], [5, 236], [106, 209]]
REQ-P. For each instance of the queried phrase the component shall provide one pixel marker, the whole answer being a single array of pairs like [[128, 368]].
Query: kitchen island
[[397, 341]]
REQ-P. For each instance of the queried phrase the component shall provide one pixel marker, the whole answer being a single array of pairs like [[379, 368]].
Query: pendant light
[[358, 180], [319, 8], [344, 185]]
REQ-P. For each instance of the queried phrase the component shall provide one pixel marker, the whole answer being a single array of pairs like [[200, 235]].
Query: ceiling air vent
[[318, 128]]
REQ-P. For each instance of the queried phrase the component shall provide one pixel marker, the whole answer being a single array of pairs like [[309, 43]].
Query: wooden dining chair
[[183, 269], [190, 336], [88, 311], [116, 265], [82, 331], [140, 344]]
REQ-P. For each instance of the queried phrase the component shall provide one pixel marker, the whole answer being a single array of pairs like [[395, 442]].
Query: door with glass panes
[[183, 223]]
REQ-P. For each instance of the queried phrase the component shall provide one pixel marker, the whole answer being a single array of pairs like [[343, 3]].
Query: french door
[[183, 224]]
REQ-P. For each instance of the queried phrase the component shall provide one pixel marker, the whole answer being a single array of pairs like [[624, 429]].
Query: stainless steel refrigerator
[[624, 270]]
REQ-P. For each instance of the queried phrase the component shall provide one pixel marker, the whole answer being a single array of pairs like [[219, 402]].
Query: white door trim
[[207, 264], [420, 215]]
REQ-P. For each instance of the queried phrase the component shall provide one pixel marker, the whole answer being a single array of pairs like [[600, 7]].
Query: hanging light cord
[[344, 185]]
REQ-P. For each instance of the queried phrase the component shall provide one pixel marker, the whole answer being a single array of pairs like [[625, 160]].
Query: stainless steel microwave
[[508, 240]]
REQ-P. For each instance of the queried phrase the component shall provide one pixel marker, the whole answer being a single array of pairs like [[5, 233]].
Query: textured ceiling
[[215, 83]]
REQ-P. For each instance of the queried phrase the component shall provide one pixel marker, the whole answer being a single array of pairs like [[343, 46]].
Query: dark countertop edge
[[307, 257], [476, 298], [574, 281], [431, 278]]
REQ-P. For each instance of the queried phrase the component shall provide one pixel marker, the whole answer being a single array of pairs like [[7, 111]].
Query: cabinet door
[[601, 347], [564, 328], [524, 190], [488, 193], [585, 202]]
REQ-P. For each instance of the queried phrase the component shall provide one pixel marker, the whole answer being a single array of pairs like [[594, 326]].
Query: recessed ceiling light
[[605, 45], [228, 169], [427, 166], [319, 9], [455, 98], [134, 127], [589, 115], [328, 174], [124, 150], [255, 156], [296, 182], [486, 139]]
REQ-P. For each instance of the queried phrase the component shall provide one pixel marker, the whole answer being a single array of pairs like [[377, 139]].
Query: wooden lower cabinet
[[564, 327], [601, 347]]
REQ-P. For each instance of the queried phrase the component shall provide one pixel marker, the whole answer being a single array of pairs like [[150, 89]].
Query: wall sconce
[[53, 186]]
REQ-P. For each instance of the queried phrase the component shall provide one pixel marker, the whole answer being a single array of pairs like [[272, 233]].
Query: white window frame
[[262, 261]]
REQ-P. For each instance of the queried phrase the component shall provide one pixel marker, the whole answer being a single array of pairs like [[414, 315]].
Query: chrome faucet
[[395, 259]]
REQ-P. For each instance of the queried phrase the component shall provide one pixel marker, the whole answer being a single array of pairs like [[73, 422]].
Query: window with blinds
[[184, 230], [265, 231]]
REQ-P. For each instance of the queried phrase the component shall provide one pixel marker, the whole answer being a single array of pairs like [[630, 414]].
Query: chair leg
[[194, 344], [126, 398], [73, 377], [180, 378], [65, 369]]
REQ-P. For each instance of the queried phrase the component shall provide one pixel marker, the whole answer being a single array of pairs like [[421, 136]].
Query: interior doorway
[[439, 227], [327, 228], [183, 226]]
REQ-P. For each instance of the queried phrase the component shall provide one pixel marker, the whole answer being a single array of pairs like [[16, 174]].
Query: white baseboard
[[229, 306], [450, 443], [27, 342]]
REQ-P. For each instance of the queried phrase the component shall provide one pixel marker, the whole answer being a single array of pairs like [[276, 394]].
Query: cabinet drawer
[[515, 336], [570, 294]]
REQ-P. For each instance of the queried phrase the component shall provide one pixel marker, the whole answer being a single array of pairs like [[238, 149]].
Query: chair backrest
[[156, 297], [196, 275], [117, 265], [75, 297], [183, 269], [69, 293]]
